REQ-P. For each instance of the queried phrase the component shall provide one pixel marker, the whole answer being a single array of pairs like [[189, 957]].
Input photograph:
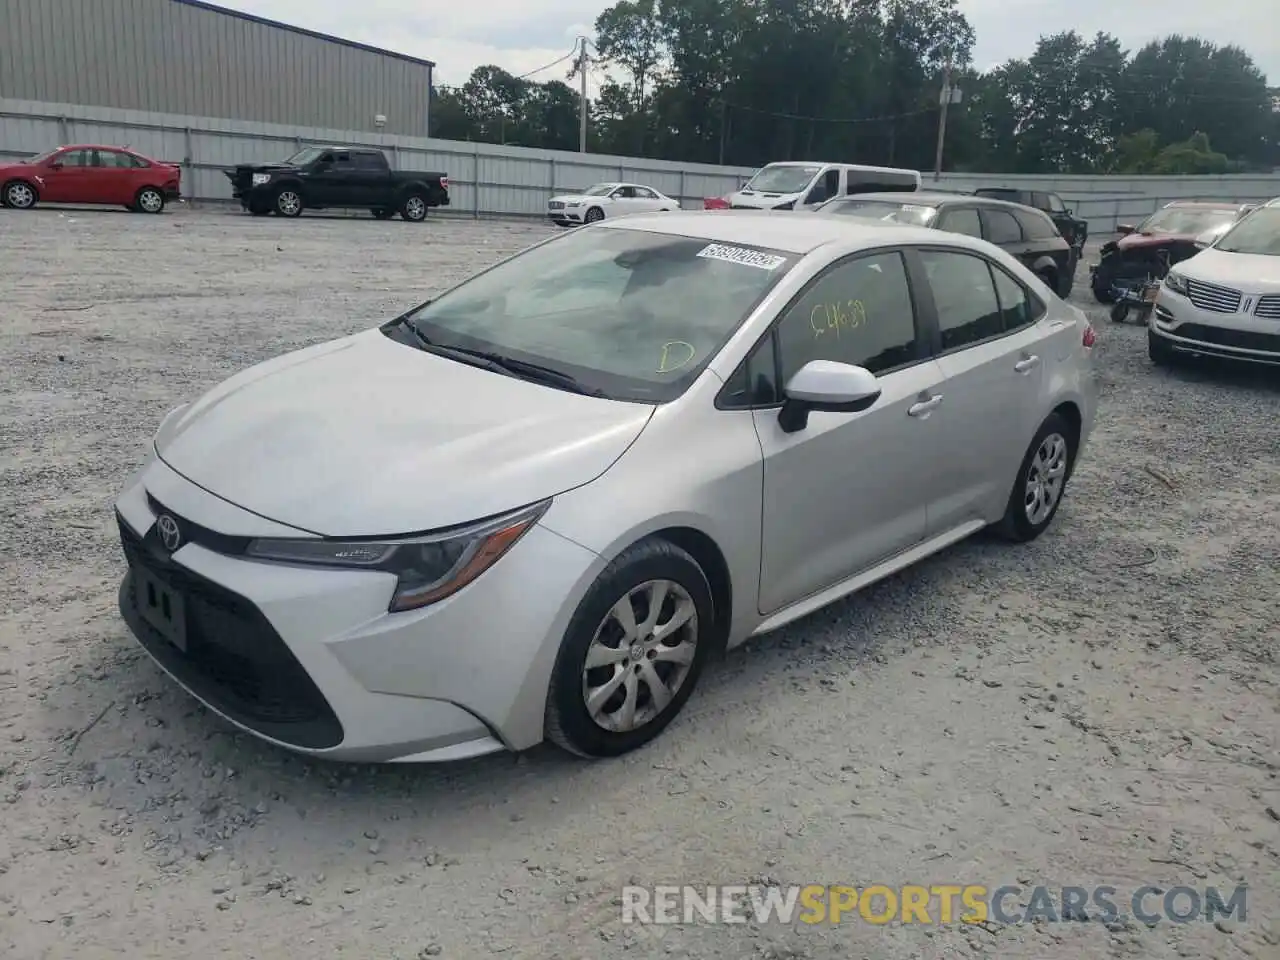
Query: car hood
[[364, 436], [1136, 241], [1250, 272]]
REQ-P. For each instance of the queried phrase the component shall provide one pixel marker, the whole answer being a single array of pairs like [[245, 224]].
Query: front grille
[[1210, 296], [1268, 307], [234, 659], [1240, 339], [555, 205]]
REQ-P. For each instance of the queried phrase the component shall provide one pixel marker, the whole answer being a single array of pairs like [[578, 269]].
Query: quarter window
[[859, 312], [1017, 307], [1035, 226], [965, 296], [754, 383], [1001, 227], [1055, 204]]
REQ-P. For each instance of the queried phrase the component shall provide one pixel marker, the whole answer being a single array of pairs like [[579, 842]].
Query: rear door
[[67, 177], [1000, 227], [990, 350], [646, 200], [117, 176], [961, 219]]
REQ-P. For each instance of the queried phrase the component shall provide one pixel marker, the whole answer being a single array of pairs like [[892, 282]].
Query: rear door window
[[1000, 227], [965, 296], [1035, 226], [962, 220]]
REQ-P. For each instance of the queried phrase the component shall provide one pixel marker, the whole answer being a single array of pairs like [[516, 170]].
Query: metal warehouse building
[[193, 58]]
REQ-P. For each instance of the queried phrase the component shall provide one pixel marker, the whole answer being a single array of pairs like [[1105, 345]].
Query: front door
[[825, 186], [993, 359], [66, 178], [850, 489]]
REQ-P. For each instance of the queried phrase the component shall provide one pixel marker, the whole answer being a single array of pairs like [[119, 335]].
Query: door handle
[[924, 407], [1027, 364]]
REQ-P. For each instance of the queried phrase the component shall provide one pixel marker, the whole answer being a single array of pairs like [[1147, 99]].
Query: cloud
[[522, 35]]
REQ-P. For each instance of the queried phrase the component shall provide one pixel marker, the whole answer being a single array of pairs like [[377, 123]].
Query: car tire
[[1161, 354], [1049, 278], [641, 662], [382, 213], [148, 200], [1050, 456], [594, 215], [287, 202], [19, 195], [414, 208], [1119, 312]]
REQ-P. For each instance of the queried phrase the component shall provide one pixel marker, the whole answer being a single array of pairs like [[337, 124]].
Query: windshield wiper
[[524, 369]]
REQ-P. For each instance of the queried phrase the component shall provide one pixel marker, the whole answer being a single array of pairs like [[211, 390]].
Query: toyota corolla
[[534, 506]]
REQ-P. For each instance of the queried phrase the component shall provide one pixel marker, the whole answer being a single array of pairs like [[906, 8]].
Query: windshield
[[1257, 233], [631, 314], [781, 179], [42, 157], [1186, 220], [915, 214], [599, 190], [305, 156]]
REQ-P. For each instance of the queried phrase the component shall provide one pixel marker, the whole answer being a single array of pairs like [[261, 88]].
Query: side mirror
[[826, 385], [1124, 229]]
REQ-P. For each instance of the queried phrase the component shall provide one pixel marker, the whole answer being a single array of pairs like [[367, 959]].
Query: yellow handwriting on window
[[836, 316], [676, 354]]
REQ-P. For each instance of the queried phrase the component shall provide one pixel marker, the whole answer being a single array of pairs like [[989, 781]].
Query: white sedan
[[607, 200]]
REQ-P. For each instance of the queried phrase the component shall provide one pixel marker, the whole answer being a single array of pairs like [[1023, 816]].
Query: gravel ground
[[1100, 707]]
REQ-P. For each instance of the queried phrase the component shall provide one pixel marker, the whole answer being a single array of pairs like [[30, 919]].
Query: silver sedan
[[538, 504]]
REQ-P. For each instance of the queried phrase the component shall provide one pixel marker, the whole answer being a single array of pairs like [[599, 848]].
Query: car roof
[[836, 163], [926, 198], [782, 230], [1273, 203], [1203, 205], [97, 146]]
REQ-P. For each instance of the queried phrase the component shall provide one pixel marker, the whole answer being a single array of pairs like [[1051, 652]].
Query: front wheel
[[288, 203], [415, 208], [632, 653], [19, 195], [149, 200], [594, 215], [1041, 481]]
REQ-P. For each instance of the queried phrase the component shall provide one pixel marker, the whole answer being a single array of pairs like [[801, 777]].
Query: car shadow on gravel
[[1226, 374]]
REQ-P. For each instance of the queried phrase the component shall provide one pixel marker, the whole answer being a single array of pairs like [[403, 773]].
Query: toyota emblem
[[170, 534]]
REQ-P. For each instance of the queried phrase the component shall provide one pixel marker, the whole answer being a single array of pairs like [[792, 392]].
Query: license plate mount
[[162, 607]]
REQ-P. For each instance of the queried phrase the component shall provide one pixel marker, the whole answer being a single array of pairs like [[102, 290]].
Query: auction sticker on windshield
[[743, 255]]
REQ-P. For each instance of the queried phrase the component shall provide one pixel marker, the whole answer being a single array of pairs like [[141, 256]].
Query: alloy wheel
[[640, 656], [415, 208], [20, 196], [150, 201], [1045, 478], [289, 203]]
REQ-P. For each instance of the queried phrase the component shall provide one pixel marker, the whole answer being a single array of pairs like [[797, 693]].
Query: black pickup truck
[[1074, 230], [320, 177]]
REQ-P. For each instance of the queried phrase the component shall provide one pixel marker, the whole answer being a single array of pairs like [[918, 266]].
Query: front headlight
[[1176, 282], [260, 178], [574, 203], [427, 568]]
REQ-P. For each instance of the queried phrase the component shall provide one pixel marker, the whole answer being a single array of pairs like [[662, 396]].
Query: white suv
[[1224, 301]]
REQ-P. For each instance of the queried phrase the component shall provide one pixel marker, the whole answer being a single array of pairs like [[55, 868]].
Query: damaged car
[[1166, 237]]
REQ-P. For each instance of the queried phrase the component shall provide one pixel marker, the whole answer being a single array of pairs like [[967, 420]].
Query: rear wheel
[[149, 200], [632, 653], [19, 195], [414, 208], [1041, 481]]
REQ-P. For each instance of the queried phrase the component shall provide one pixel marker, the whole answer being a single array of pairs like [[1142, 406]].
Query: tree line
[[746, 82]]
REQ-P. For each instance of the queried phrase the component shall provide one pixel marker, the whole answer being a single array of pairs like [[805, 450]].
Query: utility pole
[[944, 101], [582, 92]]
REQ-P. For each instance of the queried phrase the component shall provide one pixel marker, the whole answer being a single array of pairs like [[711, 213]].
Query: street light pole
[[944, 101], [582, 92]]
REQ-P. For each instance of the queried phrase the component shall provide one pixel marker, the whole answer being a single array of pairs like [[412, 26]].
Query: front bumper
[[567, 215], [309, 659], [1186, 328]]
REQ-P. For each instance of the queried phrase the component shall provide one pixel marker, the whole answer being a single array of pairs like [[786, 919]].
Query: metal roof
[[253, 18]]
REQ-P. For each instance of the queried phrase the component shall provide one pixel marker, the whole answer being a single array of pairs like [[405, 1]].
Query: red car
[[91, 174]]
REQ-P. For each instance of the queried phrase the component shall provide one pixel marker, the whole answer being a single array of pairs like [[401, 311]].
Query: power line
[[796, 116], [548, 66]]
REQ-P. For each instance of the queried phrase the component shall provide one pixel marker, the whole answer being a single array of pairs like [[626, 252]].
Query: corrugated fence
[[490, 180]]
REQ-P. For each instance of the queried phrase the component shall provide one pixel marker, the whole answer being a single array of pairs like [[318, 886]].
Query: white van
[[802, 185]]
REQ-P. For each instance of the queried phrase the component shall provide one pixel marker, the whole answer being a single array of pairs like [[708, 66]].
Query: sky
[[524, 35]]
